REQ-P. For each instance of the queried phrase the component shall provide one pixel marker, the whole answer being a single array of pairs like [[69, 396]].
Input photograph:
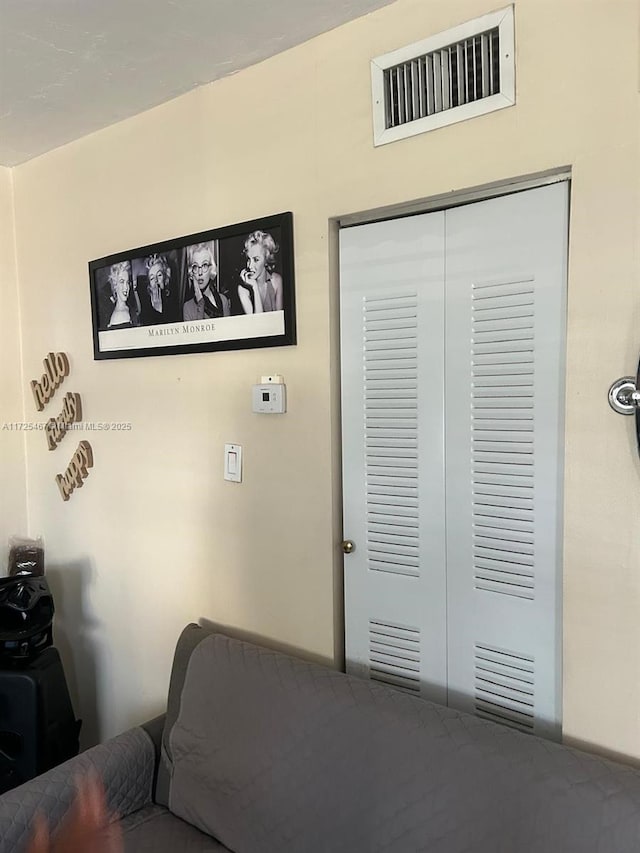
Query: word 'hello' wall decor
[[56, 369]]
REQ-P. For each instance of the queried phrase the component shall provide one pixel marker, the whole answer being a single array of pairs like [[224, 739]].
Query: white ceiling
[[69, 67]]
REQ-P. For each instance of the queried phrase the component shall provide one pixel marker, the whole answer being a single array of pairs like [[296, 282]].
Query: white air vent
[[461, 73], [394, 654]]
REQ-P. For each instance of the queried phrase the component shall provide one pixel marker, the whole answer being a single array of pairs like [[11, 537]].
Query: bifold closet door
[[392, 353], [505, 339], [452, 335]]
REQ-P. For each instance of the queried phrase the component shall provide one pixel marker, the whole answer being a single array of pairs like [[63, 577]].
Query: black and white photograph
[[205, 297], [228, 288], [251, 264], [117, 305], [156, 279]]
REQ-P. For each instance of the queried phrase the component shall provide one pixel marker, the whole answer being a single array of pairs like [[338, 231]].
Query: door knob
[[624, 398], [348, 546]]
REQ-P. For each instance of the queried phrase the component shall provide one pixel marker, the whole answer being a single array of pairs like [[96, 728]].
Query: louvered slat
[[391, 433], [502, 437], [394, 655], [454, 75], [505, 687]]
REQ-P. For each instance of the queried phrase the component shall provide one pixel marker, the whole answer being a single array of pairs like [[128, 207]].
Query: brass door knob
[[348, 546]]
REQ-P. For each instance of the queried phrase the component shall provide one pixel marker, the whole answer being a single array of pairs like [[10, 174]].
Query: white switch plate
[[233, 462]]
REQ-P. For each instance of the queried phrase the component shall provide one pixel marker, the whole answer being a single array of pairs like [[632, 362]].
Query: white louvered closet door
[[505, 333], [392, 320], [452, 330]]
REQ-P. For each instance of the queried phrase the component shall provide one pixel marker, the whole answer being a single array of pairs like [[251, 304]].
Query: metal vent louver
[[458, 74], [390, 349], [502, 431], [444, 79], [394, 654], [505, 687]]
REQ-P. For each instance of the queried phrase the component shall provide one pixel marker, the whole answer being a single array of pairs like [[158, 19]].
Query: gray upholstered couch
[[264, 753]]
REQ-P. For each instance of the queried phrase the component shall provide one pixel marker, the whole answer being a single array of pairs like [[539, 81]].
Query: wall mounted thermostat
[[270, 397]]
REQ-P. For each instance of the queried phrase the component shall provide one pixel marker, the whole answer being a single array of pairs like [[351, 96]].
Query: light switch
[[233, 463]]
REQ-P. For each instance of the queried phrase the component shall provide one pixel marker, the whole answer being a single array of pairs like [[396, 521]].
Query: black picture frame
[[197, 293]]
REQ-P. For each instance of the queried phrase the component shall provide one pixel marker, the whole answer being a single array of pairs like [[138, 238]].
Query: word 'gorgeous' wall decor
[[56, 369]]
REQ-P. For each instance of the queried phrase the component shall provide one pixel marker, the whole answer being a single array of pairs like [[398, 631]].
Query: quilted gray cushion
[[155, 830], [191, 635], [275, 755], [125, 765]]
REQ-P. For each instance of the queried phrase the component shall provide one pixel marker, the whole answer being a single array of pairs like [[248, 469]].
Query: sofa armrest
[[125, 765]]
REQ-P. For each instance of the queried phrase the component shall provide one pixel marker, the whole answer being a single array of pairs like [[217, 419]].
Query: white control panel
[[233, 462], [270, 397]]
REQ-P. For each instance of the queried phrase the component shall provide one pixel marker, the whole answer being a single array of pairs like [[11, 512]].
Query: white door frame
[[444, 201]]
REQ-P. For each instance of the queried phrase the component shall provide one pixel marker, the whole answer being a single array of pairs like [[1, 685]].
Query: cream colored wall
[[156, 538], [13, 499]]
